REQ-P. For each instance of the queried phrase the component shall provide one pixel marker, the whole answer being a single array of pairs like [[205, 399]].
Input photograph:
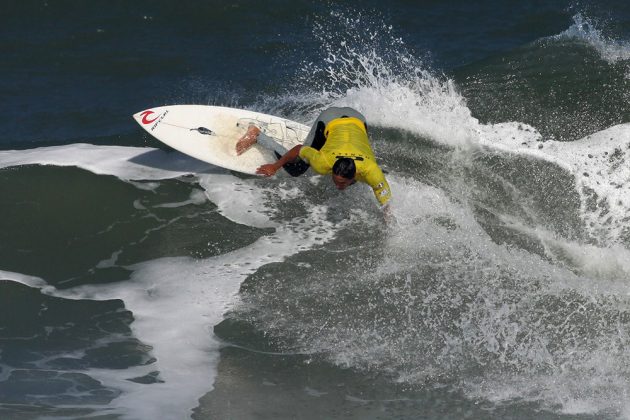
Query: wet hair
[[345, 167]]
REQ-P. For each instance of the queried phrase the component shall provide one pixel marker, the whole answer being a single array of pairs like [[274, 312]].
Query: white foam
[[503, 320], [109, 262], [602, 270], [482, 307], [599, 164], [370, 69], [565, 389], [439, 113], [177, 301], [239, 200], [196, 198], [425, 106], [127, 163], [30, 281]]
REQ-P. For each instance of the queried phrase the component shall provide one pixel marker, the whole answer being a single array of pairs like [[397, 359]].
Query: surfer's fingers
[[266, 170]]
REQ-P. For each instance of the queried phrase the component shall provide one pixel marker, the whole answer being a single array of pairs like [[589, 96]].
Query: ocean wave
[[588, 31], [365, 65], [439, 295], [176, 301], [598, 164], [369, 68]]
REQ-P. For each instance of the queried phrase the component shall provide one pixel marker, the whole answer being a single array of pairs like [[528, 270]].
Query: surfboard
[[210, 133]]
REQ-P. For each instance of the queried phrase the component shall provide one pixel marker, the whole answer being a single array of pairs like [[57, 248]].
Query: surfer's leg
[[271, 144], [253, 136], [248, 139], [315, 137]]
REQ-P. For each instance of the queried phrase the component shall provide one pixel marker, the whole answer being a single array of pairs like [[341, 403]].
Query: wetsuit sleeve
[[308, 153], [379, 184], [314, 158]]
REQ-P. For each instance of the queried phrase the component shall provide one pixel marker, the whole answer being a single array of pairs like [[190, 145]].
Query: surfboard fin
[[203, 130]]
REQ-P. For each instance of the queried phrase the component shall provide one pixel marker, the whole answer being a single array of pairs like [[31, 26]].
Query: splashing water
[[437, 299], [432, 298], [370, 69], [585, 30]]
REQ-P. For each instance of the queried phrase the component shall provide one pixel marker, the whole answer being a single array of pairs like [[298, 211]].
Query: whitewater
[[503, 299]]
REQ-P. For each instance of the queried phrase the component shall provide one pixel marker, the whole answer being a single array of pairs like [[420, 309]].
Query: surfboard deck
[[210, 133]]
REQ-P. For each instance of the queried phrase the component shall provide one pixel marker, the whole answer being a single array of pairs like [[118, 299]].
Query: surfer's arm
[[271, 168], [374, 178]]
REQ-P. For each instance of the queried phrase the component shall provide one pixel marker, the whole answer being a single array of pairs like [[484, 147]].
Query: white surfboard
[[210, 133]]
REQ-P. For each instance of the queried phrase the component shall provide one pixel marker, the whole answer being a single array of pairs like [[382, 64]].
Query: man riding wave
[[337, 144]]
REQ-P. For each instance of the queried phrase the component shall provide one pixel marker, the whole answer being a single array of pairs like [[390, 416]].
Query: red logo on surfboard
[[145, 117]]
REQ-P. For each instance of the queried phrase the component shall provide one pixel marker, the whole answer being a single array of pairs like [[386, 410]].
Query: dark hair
[[345, 168]]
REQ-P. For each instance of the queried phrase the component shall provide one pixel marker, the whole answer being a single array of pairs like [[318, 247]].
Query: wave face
[[139, 283]]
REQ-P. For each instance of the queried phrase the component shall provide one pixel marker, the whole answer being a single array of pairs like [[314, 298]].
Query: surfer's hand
[[267, 170], [388, 216]]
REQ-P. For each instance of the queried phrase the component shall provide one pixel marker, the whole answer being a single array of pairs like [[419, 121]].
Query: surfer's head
[[343, 172]]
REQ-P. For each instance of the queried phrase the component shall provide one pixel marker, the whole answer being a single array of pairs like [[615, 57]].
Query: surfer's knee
[[252, 131]]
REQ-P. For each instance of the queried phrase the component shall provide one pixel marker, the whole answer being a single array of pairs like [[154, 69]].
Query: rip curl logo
[[145, 117], [149, 118]]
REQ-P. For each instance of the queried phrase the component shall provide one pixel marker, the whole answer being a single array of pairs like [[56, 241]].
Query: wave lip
[[587, 31]]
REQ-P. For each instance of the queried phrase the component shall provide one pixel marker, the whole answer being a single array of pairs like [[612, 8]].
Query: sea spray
[[588, 31], [439, 297]]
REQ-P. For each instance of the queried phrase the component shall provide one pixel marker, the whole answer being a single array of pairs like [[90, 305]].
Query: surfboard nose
[[138, 115], [146, 117]]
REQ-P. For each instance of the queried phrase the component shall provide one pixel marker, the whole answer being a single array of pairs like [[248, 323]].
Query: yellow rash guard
[[347, 137]]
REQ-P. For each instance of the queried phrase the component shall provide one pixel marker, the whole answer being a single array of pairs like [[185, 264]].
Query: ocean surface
[[138, 283]]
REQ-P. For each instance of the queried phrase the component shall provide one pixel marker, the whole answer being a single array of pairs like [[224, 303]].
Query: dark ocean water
[[138, 283]]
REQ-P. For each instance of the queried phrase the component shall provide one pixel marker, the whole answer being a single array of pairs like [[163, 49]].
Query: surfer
[[337, 144]]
